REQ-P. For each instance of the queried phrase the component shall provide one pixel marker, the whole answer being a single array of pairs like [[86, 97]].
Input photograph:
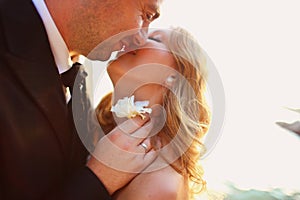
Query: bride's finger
[[134, 142], [131, 125], [141, 133], [145, 146], [149, 157]]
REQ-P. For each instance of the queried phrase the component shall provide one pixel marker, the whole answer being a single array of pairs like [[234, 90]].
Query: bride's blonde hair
[[187, 113]]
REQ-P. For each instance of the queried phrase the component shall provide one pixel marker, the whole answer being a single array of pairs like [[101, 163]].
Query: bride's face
[[143, 72]]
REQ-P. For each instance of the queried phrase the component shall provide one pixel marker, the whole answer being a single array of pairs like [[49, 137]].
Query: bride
[[168, 76]]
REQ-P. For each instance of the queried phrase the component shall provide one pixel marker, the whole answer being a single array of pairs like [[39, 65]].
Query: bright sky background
[[255, 45]]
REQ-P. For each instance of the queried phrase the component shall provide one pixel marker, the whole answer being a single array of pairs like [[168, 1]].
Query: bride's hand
[[123, 153]]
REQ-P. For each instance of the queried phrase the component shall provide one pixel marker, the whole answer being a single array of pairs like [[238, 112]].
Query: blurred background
[[255, 46]]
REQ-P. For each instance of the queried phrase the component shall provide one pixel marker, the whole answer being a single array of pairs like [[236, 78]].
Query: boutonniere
[[126, 107]]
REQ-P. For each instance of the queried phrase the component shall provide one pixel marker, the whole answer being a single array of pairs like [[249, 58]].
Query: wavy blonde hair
[[187, 113]]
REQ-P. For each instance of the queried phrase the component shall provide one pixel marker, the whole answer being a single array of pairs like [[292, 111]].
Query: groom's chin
[[99, 55]]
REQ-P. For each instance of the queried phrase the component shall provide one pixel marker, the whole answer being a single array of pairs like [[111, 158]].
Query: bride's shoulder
[[162, 184]]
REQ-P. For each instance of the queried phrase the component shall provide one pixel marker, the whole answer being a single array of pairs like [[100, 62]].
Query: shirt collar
[[58, 45]]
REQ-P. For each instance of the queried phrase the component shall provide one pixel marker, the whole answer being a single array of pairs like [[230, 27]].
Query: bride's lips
[[126, 50]]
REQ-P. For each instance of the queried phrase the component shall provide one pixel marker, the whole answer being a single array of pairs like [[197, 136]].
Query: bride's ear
[[170, 80]]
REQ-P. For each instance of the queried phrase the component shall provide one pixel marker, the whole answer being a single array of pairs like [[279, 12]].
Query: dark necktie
[[75, 73], [78, 106]]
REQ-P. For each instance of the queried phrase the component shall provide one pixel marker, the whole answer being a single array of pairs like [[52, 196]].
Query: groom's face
[[99, 21]]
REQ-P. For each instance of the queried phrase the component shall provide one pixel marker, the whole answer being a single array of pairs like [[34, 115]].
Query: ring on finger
[[144, 146]]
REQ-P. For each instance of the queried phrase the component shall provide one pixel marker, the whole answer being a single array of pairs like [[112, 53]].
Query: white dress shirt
[[58, 45]]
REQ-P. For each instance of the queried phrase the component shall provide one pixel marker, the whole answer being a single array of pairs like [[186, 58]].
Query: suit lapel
[[32, 62]]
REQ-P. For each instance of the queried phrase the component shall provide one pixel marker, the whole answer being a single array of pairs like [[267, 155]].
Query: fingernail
[[158, 143]]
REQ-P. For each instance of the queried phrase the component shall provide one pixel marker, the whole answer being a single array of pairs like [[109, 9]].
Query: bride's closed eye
[[154, 39]]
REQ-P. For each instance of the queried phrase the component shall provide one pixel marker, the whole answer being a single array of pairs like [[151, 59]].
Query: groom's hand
[[119, 156]]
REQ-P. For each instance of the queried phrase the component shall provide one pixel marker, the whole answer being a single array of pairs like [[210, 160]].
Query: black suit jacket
[[41, 157]]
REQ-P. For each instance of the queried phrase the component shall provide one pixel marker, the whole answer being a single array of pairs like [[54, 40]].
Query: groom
[[40, 154]]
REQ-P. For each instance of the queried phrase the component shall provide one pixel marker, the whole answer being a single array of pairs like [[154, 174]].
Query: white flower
[[126, 107]]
